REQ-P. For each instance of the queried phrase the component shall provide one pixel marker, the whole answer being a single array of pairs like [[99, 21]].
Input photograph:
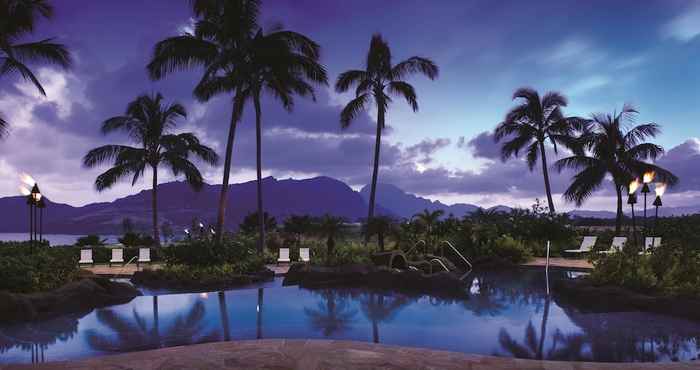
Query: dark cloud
[[424, 150], [483, 146], [684, 161]]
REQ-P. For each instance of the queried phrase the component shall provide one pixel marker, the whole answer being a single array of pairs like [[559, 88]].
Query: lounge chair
[[650, 243], [586, 245], [304, 255], [144, 256], [86, 257], [284, 256], [117, 256], [618, 243]]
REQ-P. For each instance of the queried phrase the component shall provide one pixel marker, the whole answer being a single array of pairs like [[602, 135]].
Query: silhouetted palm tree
[[18, 19], [239, 56], [532, 123], [148, 121], [378, 79], [609, 148], [379, 307], [330, 227], [429, 220], [380, 226], [298, 226]]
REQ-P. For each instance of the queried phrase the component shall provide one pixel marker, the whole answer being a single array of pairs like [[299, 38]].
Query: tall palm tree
[[529, 125], [330, 227], [429, 220], [376, 83], [17, 20], [239, 57], [148, 121], [609, 148]]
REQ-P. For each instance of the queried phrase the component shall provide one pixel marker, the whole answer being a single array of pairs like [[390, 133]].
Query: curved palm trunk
[[375, 170], [618, 217], [258, 159], [547, 187], [224, 186], [154, 197]]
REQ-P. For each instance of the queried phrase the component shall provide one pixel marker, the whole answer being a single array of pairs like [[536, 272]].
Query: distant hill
[[179, 204], [663, 212], [405, 205]]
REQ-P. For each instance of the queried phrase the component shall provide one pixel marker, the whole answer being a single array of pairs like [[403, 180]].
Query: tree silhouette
[[378, 308], [373, 83], [333, 314], [148, 121], [18, 19]]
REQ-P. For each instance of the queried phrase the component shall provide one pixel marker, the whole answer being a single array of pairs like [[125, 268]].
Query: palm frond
[[180, 53], [584, 184], [414, 65], [352, 110], [349, 78], [180, 165], [533, 152], [11, 65], [512, 147], [406, 90], [44, 51], [116, 173], [640, 133], [3, 127], [112, 153]]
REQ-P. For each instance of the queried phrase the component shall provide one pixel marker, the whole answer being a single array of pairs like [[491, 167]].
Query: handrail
[[441, 264], [127, 264], [420, 241], [457, 252]]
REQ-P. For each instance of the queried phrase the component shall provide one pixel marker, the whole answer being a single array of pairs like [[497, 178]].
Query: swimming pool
[[508, 313]]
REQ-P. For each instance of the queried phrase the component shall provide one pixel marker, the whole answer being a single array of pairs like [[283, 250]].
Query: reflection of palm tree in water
[[38, 336], [533, 347], [223, 311], [379, 308], [333, 314], [258, 310], [186, 329]]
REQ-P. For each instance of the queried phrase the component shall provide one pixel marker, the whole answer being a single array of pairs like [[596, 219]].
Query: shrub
[[209, 253], [508, 249], [343, 254], [90, 240], [24, 269], [131, 239]]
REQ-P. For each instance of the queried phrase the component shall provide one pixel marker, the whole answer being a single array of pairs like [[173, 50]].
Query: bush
[[90, 240], [24, 269], [508, 249], [343, 254], [232, 250]]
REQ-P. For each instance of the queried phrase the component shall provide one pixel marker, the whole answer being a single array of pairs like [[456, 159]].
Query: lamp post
[[659, 189], [632, 200], [41, 204], [36, 198], [30, 203], [646, 179]]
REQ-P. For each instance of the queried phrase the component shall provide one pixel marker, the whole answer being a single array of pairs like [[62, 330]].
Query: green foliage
[[342, 254], [508, 249], [209, 253], [24, 269], [136, 240], [90, 240], [167, 232], [250, 223]]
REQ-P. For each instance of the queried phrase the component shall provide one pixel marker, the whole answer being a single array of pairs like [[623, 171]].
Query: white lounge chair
[[586, 245], [284, 256], [144, 256], [650, 243], [618, 243], [117, 256], [304, 255], [86, 257]]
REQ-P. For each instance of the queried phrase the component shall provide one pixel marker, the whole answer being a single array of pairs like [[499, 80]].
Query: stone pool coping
[[282, 354]]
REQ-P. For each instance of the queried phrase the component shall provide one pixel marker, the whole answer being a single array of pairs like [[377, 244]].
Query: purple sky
[[599, 54]]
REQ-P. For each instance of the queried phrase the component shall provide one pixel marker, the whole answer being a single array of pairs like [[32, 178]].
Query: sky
[[599, 54]]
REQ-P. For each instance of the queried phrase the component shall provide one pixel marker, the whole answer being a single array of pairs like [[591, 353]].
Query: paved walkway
[[118, 271], [280, 354], [560, 262]]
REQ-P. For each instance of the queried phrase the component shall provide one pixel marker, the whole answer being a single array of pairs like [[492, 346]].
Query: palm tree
[[429, 220], [532, 123], [333, 314], [18, 20], [381, 226], [379, 78], [298, 226], [330, 227], [609, 148], [148, 121], [238, 56]]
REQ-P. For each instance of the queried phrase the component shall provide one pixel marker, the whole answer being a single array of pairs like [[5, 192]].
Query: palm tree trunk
[[259, 312], [223, 311], [224, 186], [258, 160], [375, 170], [545, 171], [156, 236], [618, 217], [543, 329]]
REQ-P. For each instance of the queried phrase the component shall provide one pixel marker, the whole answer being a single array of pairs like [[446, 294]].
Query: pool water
[[507, 313]]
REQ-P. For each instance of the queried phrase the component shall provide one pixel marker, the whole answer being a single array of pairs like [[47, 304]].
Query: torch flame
[[24, 190], [648, 177], [633, 186], [27, 179], [660, 188]]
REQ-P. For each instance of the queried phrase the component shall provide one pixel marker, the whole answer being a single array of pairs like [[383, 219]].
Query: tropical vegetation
[[149, 122]]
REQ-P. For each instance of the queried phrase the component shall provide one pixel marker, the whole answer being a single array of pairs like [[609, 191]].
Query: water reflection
[[134, 333], [333, 314], [507, 313]]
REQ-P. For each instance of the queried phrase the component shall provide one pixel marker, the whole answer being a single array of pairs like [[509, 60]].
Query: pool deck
[[281, 354], [119, 271]]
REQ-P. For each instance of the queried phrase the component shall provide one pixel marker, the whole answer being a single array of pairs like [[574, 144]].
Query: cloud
[[587, 84], [686, 26], [483, 146], [424, 150], [683, 161]]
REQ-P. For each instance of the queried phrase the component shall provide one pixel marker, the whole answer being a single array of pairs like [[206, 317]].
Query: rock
[[79, 296], [438, 284], [582, 294]]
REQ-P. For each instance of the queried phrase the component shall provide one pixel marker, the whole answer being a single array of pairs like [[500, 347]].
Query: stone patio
[[279, 354]]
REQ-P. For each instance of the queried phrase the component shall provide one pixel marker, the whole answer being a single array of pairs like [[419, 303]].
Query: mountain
[[663, 212], [405, 205], [179, 204]]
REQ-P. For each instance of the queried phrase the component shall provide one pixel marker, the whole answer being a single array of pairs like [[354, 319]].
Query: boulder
[[78, 296]]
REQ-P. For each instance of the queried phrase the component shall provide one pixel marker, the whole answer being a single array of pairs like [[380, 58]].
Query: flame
[[27, 179], [37, 197], [24, 190], [648, 177], [633, 186], [201, 225], [187, 231], [660, 188]]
